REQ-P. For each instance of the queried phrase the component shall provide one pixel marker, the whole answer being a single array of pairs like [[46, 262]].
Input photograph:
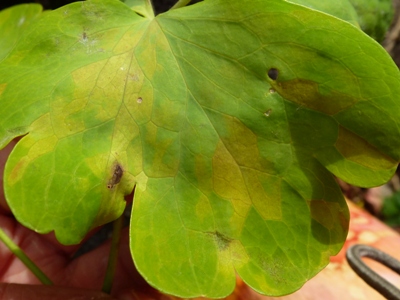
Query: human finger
[[12, 291]]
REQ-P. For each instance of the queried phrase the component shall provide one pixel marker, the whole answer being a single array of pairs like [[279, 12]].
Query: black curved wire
[[354, 255]]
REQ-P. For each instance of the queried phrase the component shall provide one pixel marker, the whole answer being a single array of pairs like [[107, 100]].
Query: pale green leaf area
[[142, 7], [228, 118], [374, 16], [341, 9], [13, 21]]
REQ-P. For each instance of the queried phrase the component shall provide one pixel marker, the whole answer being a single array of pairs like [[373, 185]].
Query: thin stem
[[112, 258], [17, 251], [180, 3]]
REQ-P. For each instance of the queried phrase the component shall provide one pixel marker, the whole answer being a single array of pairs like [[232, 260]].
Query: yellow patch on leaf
[[306, 93], [356, 149], [228, 180], [2, 87], [265, 193]]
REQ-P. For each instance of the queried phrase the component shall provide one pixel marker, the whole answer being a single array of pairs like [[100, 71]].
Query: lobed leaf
[[227, 117]]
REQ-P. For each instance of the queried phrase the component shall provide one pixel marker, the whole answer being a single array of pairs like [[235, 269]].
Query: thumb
[[12, 291]]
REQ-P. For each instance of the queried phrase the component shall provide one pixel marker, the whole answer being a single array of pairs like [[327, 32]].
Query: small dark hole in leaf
[[273, 73]]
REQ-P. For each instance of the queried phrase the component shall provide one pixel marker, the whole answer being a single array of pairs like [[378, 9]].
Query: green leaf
[[341, 9], [142, 7], [228, 117], [391, 209], [373, 16], [13, 21]]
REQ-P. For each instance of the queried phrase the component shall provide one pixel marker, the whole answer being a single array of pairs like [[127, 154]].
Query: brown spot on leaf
[[118, 172], [84, 37], [307, 93], [222, 241], [358, 150]]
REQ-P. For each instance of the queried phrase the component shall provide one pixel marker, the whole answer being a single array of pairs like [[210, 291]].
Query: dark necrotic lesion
[[273, 73], [118, 172]]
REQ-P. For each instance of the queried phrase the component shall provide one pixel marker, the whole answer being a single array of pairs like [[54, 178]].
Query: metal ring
[[354, 255]]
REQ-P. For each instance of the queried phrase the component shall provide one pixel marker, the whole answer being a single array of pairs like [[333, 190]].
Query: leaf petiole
[[180, 3], [112, 258], [18, 252]]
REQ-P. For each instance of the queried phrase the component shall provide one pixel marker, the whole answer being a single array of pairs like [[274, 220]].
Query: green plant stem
[[112, 258], [180, 3], [17, 251]]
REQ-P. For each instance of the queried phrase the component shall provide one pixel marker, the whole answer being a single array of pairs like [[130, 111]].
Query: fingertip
[[11, 291]]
